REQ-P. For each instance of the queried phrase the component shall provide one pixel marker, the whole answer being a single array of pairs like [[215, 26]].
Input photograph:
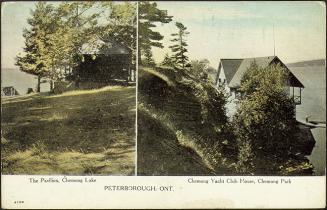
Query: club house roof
[[234, 69]]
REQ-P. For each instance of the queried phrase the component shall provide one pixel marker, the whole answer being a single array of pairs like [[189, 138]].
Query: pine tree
[[179, 48], [148, 60], [148, 15], [167, 61], [118, 23], [34, 60], [56, 36], [79, 26], [121, 24]]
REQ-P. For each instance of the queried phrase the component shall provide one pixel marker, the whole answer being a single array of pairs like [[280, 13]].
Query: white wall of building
[[231, 105], [222, 80]]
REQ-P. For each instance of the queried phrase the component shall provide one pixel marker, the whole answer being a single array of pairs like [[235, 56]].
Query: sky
[[13, 20], [217, 29], [14, 17], [245, 29]]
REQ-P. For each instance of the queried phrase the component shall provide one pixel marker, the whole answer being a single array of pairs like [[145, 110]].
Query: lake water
[[21, 81], [314, 105]]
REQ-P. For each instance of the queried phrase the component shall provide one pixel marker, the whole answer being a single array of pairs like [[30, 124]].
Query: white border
[[171, 192], [137, 80]]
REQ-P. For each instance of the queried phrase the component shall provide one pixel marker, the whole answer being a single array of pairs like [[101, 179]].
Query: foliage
[[149, 15], [120, 24], [167, 61], [265, 119], [193, 111], [179, 47], [256, 79], [58, 35], [200, 69], [55, 37], [296, 167], [35, 60], [148, 60], [245, 157], [78, 27]]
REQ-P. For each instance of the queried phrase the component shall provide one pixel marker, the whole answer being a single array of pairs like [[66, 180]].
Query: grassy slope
[[78, 132], [168, 119], [159, 152]]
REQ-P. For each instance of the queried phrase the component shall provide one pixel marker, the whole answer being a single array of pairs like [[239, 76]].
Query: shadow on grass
[[159, 152], [71, 126]]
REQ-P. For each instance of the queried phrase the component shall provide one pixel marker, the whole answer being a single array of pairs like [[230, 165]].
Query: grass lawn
[[79, 132]]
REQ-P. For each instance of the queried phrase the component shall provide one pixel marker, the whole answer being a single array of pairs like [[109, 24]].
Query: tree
[[179, 48], [148, 15], [74, 25], [200, 69], [78, 27], [167, 61], [56, 40], [120, 24], [34, 60], [265, 120], [148, 60]]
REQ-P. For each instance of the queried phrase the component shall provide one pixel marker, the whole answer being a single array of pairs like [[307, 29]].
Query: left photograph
[[68, 96]]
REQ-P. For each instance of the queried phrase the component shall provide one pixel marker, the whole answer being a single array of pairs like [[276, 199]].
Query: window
[[220, 84]]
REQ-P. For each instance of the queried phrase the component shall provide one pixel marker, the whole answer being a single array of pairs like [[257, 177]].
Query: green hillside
[[78, 132], [181, 129]]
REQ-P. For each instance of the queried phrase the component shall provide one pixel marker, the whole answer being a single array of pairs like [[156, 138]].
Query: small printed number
[[18, 202]]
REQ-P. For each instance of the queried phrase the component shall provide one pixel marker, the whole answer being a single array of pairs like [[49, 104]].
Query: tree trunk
[[51, 77], [51, 85], [38, 87]]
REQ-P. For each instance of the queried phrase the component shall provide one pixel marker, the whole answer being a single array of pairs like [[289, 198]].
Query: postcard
[[152, 104]]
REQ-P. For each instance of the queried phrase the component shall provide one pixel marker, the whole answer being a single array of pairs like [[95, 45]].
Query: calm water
[[314, 105], [20, 80], [318, 155]]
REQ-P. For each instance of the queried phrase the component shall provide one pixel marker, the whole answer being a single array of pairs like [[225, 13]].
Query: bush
[[265, 119], [245, 157]]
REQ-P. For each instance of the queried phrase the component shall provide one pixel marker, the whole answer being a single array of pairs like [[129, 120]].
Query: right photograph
[[231, 88]]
